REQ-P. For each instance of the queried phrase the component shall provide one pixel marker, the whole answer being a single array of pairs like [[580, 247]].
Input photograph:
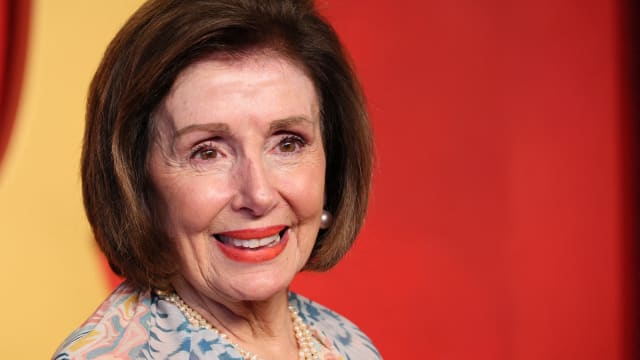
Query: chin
[[262, 288]]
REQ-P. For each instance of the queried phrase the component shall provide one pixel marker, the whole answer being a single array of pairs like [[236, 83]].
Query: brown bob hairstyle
[[138, 70]]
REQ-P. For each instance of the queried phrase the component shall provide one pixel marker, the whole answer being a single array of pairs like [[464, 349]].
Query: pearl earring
[[325, 219]]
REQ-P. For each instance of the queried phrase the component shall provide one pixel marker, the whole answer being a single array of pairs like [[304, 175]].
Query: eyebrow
[[276, 125], [210, 127], [286, 123]]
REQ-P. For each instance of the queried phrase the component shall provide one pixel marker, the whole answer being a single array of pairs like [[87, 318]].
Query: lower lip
[[254, 255]]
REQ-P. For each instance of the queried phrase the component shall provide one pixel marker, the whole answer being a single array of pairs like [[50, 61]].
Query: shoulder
[[342, 334], [119, 325]]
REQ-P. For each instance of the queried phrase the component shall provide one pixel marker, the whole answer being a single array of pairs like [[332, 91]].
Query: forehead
[[221, 66], [219, 88]]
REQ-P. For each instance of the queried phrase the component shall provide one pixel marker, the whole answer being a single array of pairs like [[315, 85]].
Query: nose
[[255, 194]]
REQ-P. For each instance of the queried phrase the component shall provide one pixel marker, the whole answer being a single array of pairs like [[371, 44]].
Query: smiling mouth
[[251, 240]]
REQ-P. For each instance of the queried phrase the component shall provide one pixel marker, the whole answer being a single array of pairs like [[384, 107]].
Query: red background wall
[[496, 228]]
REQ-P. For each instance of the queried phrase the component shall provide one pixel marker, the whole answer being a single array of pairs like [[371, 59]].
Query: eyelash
[[200, 147], [299, 141]]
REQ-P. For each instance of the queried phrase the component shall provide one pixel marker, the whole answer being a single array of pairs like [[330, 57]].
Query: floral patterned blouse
[[142, 325]]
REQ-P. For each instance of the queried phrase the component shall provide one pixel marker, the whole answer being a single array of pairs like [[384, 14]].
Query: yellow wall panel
[[51, 276]]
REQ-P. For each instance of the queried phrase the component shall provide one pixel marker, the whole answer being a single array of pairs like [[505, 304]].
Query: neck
[[262, 327]]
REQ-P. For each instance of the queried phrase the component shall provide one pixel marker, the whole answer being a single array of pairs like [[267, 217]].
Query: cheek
[[304, 191], [191, 204]]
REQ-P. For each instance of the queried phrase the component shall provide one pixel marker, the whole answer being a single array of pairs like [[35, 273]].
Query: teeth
[[252, 243]]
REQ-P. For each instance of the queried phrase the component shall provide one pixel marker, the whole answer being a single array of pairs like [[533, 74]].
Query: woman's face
[[238, 166]]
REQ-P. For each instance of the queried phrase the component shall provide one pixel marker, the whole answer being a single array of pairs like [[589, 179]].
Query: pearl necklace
[[302, 332]]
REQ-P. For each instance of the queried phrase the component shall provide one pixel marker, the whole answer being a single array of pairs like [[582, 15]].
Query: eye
[[205, 152], [291, 144]]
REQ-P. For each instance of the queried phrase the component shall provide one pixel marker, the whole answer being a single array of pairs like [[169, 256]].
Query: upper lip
[[255, 233]]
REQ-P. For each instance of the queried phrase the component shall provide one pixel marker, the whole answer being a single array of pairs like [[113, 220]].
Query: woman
[[227, 148]]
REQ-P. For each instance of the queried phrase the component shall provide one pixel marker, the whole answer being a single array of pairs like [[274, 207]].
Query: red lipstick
[[247, 234], [253, 255]]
